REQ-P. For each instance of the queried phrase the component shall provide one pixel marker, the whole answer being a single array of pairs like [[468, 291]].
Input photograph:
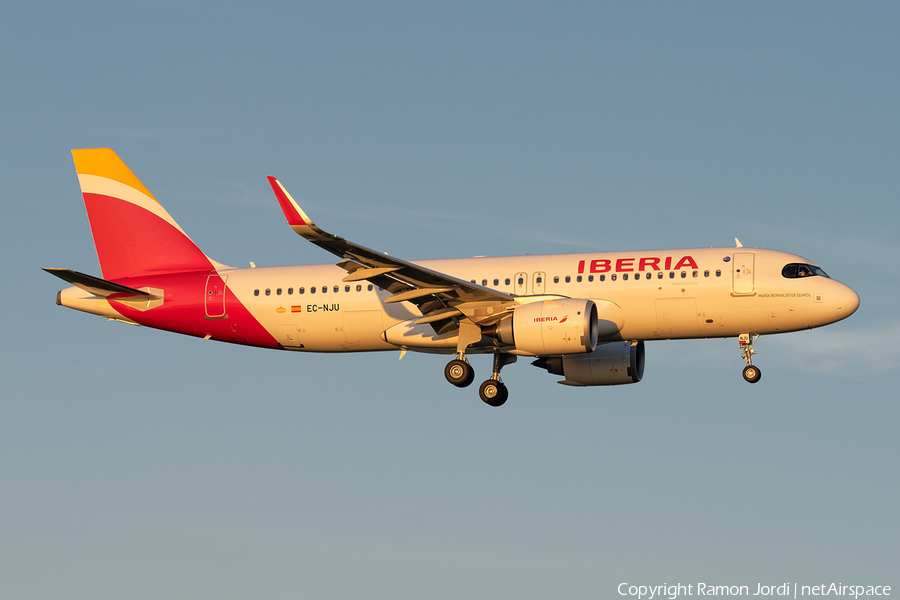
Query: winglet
[[738, 243], [292, 211]]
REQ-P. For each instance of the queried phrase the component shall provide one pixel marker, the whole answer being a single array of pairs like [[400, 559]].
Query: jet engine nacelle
[[564, 326], [614, 363]]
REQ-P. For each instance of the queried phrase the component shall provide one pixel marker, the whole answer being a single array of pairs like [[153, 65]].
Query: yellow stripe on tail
[[103, 162]]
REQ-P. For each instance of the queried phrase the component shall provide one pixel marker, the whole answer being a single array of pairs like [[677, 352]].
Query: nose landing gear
[[751, 373]]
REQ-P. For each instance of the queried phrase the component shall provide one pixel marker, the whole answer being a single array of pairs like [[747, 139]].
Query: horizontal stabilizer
[[95, 285]]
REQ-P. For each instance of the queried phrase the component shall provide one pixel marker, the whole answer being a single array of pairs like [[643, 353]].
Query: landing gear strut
[[493, 392], [459, 372], [751, 372]]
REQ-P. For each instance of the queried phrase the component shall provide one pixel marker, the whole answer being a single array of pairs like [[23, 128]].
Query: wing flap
[[417, 293], [364, 273], [438, 315]]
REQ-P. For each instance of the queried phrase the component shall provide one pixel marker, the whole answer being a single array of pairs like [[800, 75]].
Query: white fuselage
[[659, 294]]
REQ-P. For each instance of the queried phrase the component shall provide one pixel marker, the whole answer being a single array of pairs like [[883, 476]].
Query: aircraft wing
[[439, 296]]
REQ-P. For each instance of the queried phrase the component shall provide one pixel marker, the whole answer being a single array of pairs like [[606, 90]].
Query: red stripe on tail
[[131, 240]]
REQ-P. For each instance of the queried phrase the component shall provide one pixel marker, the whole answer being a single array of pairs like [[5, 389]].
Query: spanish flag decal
[[296, 309]]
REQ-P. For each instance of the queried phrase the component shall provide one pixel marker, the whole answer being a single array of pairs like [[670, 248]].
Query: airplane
[[584, 316]]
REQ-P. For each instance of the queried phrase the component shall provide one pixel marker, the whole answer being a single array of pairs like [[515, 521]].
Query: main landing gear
[[751, 372], [493, 392], [459, 372]]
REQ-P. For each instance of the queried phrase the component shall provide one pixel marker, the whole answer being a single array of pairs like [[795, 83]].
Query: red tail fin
[[133, 233]]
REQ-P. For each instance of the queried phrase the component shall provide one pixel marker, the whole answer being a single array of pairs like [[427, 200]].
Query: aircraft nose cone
[[847, 301]]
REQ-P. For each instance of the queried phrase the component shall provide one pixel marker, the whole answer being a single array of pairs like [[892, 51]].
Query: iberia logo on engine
[[548, 319]]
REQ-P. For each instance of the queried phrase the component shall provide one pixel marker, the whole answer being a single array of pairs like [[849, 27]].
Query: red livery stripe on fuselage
[[184, 310]]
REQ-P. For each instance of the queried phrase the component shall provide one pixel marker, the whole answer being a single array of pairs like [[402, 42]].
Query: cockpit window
[[798, 270]]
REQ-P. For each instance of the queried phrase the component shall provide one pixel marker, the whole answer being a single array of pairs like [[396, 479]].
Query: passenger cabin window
[[521, 281], [590, 278], [706, 273], [290, 291], [649, 275], [568, 279], [798, 270], [625, 277], [359, 288], [312, 290], [268, 292], [578, 279], [346, 288], [556, 279], [696, 273], [603, 278], [612, 277], [256, 292], [496, 282], [671, 274], [370, 287], [278, 292], [324, 289], [718, 272], [301, 290], [484, 282], [683, 274]]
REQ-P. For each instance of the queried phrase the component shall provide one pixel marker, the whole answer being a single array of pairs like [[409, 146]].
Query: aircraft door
[[520, 285], [742, 273], [537, 287], [214, 299]]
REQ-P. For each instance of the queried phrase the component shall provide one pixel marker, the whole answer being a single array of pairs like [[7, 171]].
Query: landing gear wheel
[[459, 373], [752, 373], [493, 392]]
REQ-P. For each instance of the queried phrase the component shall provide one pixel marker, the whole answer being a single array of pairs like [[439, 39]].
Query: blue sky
[[135, 463]]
